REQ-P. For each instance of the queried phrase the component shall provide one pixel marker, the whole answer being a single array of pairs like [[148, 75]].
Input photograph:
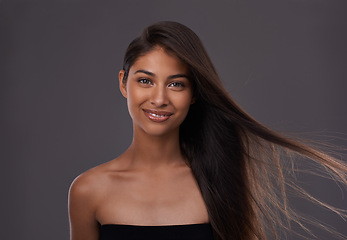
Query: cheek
[[135, 97], [135, 94], [183, 102]]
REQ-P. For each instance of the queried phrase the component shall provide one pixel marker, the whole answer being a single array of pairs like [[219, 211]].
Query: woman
[[198, 167]]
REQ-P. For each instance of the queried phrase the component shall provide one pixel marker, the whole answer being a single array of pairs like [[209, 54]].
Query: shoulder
[[95, 181], [85, 194], [82, 185], [89, 183], [94, 184]]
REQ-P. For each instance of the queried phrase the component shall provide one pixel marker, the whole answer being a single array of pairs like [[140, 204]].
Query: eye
[[176, 84], [144, 81]]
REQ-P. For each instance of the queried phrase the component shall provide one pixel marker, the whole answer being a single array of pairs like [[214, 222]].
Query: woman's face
[[158, 92]]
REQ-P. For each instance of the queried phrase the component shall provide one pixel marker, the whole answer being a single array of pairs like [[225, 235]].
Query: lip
[[157, 116]]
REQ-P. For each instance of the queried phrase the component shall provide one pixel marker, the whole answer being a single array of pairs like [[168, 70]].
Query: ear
[[122, 86], [193, 100]]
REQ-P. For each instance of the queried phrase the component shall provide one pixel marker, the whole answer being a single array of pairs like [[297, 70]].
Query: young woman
[[198, 167]]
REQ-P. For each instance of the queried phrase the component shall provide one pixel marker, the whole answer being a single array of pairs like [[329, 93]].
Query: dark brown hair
[[236, 160]]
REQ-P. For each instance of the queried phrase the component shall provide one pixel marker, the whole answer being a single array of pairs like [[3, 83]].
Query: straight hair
[[239, 164]]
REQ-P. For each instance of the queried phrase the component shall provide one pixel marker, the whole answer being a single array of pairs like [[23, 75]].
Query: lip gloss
[[157, 116]]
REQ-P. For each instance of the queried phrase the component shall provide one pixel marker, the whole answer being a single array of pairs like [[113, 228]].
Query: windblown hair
[[237, 162]]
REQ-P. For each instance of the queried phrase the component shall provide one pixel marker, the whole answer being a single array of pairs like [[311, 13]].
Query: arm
[[82, 206]]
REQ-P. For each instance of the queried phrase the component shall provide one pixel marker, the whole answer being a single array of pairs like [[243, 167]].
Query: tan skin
[[150, 183]]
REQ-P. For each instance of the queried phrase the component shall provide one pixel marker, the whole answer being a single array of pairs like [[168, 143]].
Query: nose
[[159, 97]]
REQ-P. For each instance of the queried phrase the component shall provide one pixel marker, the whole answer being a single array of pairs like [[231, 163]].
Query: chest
[[153, 201]]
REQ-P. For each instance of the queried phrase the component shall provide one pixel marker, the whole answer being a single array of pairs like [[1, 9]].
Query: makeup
[[157, 116]]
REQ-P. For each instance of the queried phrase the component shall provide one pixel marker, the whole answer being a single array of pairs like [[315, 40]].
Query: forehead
[[159, 60]]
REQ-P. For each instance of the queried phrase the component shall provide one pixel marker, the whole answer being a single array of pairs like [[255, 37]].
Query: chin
[[166, 128], [158, 131]]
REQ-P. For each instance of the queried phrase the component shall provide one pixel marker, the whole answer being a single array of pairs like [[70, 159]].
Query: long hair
[[236, 160]]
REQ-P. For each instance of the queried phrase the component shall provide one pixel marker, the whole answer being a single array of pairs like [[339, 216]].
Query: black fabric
[[201, 231]]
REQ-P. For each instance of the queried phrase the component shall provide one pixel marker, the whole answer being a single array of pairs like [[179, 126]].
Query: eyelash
[[142, 80], [147, 81], [178, 83]]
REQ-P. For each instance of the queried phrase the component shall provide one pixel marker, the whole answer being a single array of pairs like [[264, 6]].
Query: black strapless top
[[201, 231]]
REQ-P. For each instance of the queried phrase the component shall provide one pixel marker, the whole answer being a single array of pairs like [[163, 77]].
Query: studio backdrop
[[285, 62]]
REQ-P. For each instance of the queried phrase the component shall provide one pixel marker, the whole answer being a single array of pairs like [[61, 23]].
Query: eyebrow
[[145, 72], [180, 75]]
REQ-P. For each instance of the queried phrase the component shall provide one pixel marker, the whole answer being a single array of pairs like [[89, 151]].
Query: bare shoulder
[[85, 195], [93, 182]]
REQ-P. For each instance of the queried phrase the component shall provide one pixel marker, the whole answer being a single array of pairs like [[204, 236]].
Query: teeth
[[156, 115]]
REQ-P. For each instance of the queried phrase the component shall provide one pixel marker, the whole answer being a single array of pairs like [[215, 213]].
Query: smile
[[157, 116]]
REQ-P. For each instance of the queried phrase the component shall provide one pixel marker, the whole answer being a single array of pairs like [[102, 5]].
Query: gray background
[[62, 112]]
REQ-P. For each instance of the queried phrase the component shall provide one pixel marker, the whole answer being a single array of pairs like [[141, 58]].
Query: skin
[[150, 183]]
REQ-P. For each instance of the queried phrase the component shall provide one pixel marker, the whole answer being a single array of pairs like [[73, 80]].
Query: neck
[[152, 151]]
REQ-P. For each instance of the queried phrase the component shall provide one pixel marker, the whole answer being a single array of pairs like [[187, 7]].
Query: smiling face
[[158, 92]]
